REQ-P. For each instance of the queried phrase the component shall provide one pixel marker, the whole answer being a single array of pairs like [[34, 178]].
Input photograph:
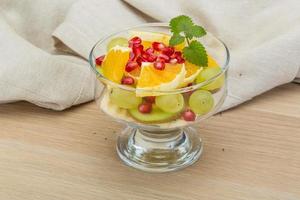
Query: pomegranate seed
[[159, 65], [145, 107], [150, 99], [177, 53], [127, 80], [173, 60], [168, 51], [99, 60], [131, 56], [178, 56], [145, 56], [189, 115], [131, 65], [149, 57], [180, 60], [134, 41], [158, 46], [163, 57], [139, 60], [137, 50], [152, 58], [149, 50]]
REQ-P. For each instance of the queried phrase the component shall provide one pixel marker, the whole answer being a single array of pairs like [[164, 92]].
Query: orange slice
[[135, 74], [192, 72], [152, 79], [149, 37], [113, 66], [211, 62]]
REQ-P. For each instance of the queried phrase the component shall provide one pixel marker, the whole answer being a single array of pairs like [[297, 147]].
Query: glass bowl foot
[[159, 151]]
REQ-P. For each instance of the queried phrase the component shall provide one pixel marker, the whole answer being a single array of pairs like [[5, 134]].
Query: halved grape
[[207, 74], [155, 116], [201, 102], [170, 103], [124, 98], [123, 42]]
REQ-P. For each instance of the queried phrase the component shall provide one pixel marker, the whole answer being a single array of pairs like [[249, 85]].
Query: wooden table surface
[[251, 152]]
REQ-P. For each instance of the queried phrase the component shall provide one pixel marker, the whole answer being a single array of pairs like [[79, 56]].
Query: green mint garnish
[[176, 39], [183, 29], [195, 53]]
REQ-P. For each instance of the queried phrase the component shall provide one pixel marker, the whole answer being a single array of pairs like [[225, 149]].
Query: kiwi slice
[[156, 115]]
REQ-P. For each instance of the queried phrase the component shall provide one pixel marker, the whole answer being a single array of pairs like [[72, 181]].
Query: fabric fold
[[45, 45]]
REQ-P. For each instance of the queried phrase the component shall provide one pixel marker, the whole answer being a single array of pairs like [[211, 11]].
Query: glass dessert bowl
[[159, 106]]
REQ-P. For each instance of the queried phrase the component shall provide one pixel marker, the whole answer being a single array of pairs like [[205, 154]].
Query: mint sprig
[[195, 53], [184, 29]]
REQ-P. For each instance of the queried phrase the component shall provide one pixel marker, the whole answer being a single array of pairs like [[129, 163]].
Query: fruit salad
[[154, 78]]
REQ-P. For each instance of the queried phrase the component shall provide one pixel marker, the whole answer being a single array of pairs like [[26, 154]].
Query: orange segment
[[113, 66], [191, 69], [192, 72], [134, 74], [211, 62], [169, 78], [146, 44]]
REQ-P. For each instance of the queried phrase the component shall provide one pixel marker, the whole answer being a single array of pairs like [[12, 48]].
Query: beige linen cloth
[[44, 44]]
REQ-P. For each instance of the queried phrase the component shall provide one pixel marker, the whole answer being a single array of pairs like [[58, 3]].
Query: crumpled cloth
[[44, 45]]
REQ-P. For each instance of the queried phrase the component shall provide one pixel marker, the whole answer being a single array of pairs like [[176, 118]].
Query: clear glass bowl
[[166, 143]]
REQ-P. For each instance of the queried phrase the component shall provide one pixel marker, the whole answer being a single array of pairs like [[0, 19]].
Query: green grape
[[201, 102], [123, 42], [170, 103], [207, 74], [124, 98], [156, 115]]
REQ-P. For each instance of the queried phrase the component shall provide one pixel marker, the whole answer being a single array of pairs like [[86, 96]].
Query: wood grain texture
[[251, 152]]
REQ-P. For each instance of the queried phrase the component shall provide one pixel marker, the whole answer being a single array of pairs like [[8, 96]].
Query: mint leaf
[[180, 23], [183, 29], [194, 31], [176, 39], [198, 31], [195, 53]]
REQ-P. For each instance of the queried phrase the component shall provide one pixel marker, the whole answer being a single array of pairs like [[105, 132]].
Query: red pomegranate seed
[[99, 60], [152, 58], [134, 41], [145, 107], [149, 57], [180, 60], [149, 50], [189, 115], [159, 65], [137, 50], [163, 57], [131, 56], [145, 56], [168, 51], [127, 80], [131, 65], [173, 60], [158, 46], [176, 54], [139, 60], [150, 99]]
